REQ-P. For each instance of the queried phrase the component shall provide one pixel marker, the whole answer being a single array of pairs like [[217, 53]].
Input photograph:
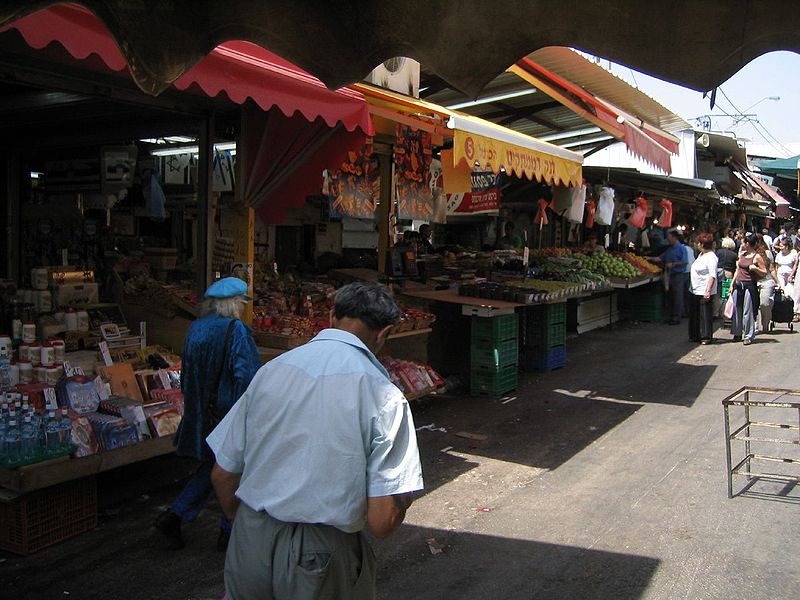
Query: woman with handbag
[[219, 360], [750, 267]]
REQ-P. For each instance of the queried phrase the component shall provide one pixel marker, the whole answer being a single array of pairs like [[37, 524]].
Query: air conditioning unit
[[399, 74]]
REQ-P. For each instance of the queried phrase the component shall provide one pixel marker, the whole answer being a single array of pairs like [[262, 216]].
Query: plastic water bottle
[[65, 430], [52, 434], [12, 442], [27, 436]]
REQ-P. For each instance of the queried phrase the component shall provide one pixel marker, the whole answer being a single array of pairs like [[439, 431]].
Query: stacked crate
[[546, 338], [644, 305], [494, 355]]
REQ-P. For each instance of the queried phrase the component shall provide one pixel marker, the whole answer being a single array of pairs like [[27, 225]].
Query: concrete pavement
[[602, 480]]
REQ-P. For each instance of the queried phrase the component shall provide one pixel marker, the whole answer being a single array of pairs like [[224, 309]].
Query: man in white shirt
[[321, 446]]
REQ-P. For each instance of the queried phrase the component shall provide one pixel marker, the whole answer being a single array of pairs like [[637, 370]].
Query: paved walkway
[[603, 480]]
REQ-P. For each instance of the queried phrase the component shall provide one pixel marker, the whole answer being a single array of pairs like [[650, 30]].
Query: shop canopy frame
[[241, 70], [672, 40]]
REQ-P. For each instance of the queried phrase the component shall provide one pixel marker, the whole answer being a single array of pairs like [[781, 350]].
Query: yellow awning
[[480, 143], [476, 140]]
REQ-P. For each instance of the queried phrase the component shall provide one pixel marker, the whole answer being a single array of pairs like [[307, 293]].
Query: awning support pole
[[205, 210]]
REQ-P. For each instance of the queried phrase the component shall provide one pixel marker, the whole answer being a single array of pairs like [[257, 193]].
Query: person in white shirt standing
[[703, 284], [321, 446]]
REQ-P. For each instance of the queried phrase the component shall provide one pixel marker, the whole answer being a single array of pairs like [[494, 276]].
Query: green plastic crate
[[547, 336], [653, 314], [494, 329], [550, 314], [726, 289], [493, 383], [501, 354]]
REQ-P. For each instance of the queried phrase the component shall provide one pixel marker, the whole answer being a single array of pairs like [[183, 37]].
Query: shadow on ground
[[473, 566]]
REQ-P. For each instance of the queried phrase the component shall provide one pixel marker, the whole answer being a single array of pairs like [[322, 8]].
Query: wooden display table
[[52, 472]]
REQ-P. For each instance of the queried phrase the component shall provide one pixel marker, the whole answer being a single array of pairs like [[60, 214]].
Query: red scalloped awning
[[241, 70]]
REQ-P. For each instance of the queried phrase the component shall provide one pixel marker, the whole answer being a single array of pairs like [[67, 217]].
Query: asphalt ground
[[603, 480]]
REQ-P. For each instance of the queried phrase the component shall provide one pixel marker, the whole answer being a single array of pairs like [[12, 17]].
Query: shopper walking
[[675, 265], [321, 446], [219, 360], [749, 268], [766, 286], [703, 279]]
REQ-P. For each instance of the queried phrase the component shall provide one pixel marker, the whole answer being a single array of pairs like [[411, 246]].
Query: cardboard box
[[75, 294]]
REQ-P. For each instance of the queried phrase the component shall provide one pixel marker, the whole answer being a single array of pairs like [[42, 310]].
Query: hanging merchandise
[[437, 192], [562, 199], [665, 220], [356, 186], [412, 160], [605, 207], [541, 214], [639, 213], [577, 203], [591, 208]]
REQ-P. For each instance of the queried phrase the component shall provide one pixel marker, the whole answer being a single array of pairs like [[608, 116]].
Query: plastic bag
[[577, 203], [605, 207], [541, 213], [639, 213], [729, 307], [591, 209], [665, 220], [562, 199]]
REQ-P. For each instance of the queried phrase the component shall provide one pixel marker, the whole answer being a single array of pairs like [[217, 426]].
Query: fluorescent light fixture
[[587, 141], [569, 134], [221, 147], [491, 99], [36, 174]]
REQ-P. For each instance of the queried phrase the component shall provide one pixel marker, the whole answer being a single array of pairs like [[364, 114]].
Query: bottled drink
[[12, 442], [65, 430], [52, 434], [27, 436]]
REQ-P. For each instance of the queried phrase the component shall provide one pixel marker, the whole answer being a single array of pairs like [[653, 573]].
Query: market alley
[[602, 480]]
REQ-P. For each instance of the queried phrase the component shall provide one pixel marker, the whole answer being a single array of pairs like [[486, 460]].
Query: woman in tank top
[[749, 269]]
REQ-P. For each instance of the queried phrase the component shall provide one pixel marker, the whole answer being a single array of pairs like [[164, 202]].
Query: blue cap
[[227, 287]]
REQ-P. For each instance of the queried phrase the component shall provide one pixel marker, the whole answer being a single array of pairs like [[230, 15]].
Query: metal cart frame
[[771, 398]]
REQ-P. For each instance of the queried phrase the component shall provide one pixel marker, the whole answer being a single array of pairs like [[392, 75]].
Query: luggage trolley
[[782, 310]]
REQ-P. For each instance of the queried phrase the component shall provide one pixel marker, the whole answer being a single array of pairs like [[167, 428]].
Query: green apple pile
[[606, 264]]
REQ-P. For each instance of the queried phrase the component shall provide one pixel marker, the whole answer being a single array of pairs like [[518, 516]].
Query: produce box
[[49, 516], [71, 294], [544, 361], [549, 314], [493, 383], [494, 329], [502, 354], [543, 336]]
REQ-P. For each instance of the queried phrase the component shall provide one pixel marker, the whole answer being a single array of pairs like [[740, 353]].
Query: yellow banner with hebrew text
[[494, 154]]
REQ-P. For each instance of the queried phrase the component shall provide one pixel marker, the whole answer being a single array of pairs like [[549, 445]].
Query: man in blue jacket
[[675, 264]]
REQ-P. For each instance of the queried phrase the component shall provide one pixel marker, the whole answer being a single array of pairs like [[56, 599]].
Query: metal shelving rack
[[747, 398]]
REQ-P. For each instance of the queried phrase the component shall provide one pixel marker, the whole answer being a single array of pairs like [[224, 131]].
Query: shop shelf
[[501, 354], [548, 360], [495, 329], [546, 336], [48, 516], [493, 383]]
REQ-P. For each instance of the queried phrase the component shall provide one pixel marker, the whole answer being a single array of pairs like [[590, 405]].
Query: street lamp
[[743, 115]]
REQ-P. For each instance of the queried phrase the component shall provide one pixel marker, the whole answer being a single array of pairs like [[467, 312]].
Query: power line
[[757, 125]]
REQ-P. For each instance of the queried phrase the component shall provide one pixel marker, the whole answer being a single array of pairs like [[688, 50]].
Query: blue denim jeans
[[192, 499]]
